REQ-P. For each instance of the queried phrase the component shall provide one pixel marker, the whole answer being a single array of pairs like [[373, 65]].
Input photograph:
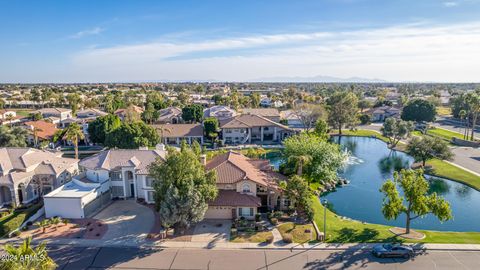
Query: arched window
[[246, 187]]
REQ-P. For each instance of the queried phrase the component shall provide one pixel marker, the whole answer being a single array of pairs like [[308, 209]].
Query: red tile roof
[[233, 198], [46, 130]]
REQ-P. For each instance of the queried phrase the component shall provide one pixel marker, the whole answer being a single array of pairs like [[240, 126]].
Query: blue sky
[[103, 41]]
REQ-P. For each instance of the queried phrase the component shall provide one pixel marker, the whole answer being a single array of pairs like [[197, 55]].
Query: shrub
[[274, 221], [269, 239], [278, 214], [364, 119], [29, 223], [15, 234], [24, 228], [287, 238], [258, 217]]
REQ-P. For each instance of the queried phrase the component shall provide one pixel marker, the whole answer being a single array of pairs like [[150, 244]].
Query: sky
[[139, 40]]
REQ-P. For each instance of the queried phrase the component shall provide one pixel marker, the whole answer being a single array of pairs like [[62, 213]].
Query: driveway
[[127, 221], [212, 231]]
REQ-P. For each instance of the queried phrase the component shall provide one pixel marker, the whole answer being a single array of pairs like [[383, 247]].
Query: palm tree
[[300, 161], [35, 135], [74, 133], [462, 115], [473, 101], [161, 129], [43, 224], [27, 257], [55, 221]]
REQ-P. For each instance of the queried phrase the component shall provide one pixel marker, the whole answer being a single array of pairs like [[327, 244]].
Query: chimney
[[160, 147], [203, 159], [143, 148]]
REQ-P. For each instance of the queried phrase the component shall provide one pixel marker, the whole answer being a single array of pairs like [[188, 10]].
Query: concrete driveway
[[212, 231], [127, 221]]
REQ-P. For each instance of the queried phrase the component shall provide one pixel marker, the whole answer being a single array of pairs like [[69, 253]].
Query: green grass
[[444, 134], [372, 133], [23, 113], [447, 170], [12, 222], [298, 232], [251, 237], [349, 231]]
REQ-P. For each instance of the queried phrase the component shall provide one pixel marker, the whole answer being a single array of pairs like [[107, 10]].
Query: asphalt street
[[68, 257]]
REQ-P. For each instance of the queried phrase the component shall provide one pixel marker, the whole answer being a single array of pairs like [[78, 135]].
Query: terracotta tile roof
[[46, 129], [233, 167], [249, 121], [180, 130], [233, 198]]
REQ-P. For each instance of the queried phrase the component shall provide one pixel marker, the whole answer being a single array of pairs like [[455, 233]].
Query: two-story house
[[220, 112], [60, 113], [245, 186], [27, 173], [249, 128]]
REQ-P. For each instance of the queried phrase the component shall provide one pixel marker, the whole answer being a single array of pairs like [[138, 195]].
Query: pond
[[370, 164]]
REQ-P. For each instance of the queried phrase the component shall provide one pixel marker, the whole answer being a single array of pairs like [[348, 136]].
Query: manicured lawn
[[24, 113], [446, 170], [444, 134], [11, 222], [251, 237], [348, 231], [298, 232]]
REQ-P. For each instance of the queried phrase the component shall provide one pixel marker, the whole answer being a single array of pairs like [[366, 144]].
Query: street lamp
[[324, 202]]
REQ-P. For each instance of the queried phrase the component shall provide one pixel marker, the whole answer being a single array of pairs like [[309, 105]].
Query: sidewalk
[[230, 245]]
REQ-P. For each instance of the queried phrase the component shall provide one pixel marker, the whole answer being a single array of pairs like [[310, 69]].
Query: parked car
[[392, 250]]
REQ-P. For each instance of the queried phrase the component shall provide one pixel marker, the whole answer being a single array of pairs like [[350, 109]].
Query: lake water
[[370, 164]]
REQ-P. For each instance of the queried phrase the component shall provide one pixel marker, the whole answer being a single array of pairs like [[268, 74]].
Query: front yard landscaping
[[14, 220], [298, 233], [252, 237], [340, 230]]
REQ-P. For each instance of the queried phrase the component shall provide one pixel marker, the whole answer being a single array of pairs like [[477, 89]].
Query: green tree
[[300, 195], [13, 137], [74, 133], [36, 116], [364, 104], [309, 114], [182, 188], [75, 101], [426, 147], [113, 102], [300, 161], [26, 257], [321, 129], [211, 127], [100, 127], [415, 202], [326, 157], [473, 101], [419, 110], [150, 114], [396, 129], [255, 100], [132, 135], [342, 108], [192, 113]]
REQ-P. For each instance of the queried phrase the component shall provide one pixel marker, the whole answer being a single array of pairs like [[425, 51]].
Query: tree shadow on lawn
[[350, 235]]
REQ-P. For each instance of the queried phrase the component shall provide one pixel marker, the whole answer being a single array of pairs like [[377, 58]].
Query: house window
[[240, 212], [150, 196], [286, 202], [228, 131], [245, 212], [246, 188], [116, 176], [149, 182], [265, 128], [251, 212]]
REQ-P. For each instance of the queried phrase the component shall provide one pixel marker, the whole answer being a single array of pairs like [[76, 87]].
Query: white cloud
[[88, 32], [405, 53], [450, 4]]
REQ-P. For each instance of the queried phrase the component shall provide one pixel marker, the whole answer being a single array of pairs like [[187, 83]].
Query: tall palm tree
[[462, 114], [161, 129], [300, 161], [27, 257], [35, 132], [473, 101], [74, 133]]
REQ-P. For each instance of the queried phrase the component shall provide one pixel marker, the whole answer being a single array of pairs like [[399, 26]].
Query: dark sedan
[[392, 250]]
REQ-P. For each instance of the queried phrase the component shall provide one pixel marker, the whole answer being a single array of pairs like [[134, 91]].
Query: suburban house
[[40, 131], [176, 133], [8, 117], [220, 112], [292, 119], [27, 173], [269, 113], [122, 113], [381, 113], [90, 113], [60, 113], [170, 115], [248, 128], [245, 186]]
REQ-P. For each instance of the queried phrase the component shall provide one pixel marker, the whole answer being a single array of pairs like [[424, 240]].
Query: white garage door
[[218, 212]]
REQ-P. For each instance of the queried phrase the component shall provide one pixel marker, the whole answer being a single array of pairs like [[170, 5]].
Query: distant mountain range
[[319, 78]]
